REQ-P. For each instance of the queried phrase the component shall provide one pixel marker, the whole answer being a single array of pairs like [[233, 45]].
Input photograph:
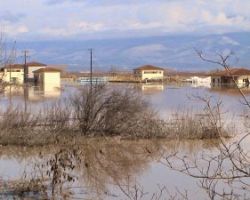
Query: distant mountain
[[175, 52]]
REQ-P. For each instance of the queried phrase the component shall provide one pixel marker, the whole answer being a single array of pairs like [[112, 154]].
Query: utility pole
[[26, 71], [12, 59], [91, 67]]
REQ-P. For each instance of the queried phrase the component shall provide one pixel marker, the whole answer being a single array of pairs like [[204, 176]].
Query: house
[[12, 74], [33, 66], [149, 72], [48, 76], [240, 76]]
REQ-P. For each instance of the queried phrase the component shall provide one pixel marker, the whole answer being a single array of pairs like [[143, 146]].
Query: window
[[14, 79], [152, 72]]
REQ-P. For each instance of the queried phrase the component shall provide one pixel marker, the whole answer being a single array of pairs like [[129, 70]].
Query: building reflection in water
[[229, 90], [32, 93], [152, 87]]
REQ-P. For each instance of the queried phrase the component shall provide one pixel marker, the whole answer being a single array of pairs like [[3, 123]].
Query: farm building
[[240, 76], [48, 76], [33, 66], [15, 73], [12, 74], [149, 72]]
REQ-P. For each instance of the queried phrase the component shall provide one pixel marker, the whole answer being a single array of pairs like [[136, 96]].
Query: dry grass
[[187, 125]]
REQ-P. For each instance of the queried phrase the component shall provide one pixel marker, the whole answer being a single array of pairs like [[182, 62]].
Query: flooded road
[[110, 168]]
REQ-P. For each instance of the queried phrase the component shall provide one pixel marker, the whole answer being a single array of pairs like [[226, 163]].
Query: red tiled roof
[[33, 63], [232, 72], [21, 66], [47, 69], [148, 67], [14, 66]]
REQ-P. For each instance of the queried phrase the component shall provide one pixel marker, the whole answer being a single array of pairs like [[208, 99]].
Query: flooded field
[[164, 98], [111, 168]]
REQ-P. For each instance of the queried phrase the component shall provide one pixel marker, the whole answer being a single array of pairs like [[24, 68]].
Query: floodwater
[[107, 168]]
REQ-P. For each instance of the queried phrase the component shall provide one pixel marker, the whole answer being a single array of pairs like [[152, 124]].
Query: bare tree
[[226, 174], [101, 111], [7, 57], [222, 61]]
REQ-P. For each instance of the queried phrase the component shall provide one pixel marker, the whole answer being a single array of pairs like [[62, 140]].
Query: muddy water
[[166, 99], [114, 169], [106, 169]]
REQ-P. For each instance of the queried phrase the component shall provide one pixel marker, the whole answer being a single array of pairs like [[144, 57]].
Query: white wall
[[31, 69], [51, 80], [152, 74], [7, 76], [240, 79]]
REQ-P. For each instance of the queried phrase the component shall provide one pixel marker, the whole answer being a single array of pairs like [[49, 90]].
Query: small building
[[12, 74], [240, 76], [48, 76], [33, 66], [199, 81], [149, 73], [95, 80]]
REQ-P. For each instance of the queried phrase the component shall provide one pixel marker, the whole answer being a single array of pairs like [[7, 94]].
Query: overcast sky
[[85, 19]]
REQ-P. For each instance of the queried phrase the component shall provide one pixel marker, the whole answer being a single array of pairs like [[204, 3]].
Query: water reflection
[[98, 168], [151, 88], [32, 93], [229, 90]]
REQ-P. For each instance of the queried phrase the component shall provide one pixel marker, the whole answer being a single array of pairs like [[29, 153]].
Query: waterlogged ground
[[110, 168]]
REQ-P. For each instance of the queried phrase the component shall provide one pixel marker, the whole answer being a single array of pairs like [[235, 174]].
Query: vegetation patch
[[100, 112]]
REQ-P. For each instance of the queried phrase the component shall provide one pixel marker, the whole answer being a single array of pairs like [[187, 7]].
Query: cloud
[[55, 2], [78, 19], [73, 28], [7, 16], [14, 30], [11, 23], [103, 2]]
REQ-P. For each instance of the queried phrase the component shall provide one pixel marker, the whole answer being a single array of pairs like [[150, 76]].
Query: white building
[[12, 74], [240, 76], [149, 72], [48, 77], [33, 66]]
